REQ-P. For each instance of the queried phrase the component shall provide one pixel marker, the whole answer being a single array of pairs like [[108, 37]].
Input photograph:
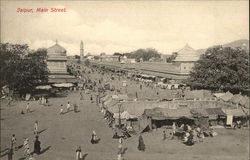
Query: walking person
[[141, 145], [9, 100], [26, 147], [120, 142], [94, 138], [40, 100], [28, 108], [68, 106], [164, 136], [79, 153], [61, 110], [81, 96], [37, 145], [174, 127], [36, 127], [10, 153], [13, 142], [75, 108], [120, 152]]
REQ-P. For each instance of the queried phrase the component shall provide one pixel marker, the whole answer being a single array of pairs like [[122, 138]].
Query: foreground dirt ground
[[61, 134]]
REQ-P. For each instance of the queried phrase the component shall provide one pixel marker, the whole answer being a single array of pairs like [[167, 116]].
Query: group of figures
[[189, 135], [68, 108], [27, 153]]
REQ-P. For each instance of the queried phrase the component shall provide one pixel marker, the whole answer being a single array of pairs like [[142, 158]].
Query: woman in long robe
[[37, 146], [94, 139], [141, 145], [79, 153]]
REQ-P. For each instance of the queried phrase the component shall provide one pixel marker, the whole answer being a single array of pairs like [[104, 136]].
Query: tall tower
[[81, 51]]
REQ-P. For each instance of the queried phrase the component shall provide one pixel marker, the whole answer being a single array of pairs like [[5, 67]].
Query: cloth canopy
[[234, 112], [154, 114], [46, 87], [227, 96], [218, 95], [124, 115], [215, 111], [166, 113], [177, 113], [66, 85], [199, 112], [244, 101], [236, 99]]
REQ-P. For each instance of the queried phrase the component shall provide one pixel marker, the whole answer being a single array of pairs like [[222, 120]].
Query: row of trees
[[141, 54], [221, 68], [21, 68]]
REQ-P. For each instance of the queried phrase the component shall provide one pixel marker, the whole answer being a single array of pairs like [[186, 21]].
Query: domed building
[[56, 63]]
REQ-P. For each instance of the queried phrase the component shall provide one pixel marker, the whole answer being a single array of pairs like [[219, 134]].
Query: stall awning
[[165, 113], [66, 85], [199, 112], [45, 87], [234, 112], [124, 115]]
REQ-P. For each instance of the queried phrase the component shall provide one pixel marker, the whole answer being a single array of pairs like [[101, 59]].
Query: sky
[[124, 26]]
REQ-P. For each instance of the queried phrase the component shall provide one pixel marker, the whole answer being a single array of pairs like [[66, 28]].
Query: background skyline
[[124, 26]]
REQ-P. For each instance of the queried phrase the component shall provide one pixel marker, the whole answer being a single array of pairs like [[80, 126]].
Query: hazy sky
[[124, 26]]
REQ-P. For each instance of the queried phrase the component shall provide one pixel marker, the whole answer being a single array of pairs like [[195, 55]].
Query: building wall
[[186, 66], [57, 66], [109, 59]]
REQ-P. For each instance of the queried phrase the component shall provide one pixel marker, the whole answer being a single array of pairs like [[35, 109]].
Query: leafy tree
[[117, 54], [96, 57], [221, 69], [77, 57], [172, 57], [145, 54], [102, 54], [21, 68]]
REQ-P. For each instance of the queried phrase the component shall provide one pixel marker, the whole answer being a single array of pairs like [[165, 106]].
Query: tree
[[102, 54], [172, 57], [117, 54], [145, 54], [21, 68], [77, 57], [221, 68]]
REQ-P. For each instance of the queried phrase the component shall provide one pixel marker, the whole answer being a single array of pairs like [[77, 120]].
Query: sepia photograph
[[124, 80]]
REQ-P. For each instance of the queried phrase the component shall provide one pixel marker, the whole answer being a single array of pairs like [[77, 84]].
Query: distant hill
[[244, 43]]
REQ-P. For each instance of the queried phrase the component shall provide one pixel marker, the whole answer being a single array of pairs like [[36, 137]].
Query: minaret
[[81, 51]]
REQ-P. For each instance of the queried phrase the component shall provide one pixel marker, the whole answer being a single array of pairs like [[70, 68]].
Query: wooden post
[[119, 106]]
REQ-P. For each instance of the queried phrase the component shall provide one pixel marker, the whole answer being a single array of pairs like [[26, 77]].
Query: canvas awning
[[236, 99], [46, 87], [154, 114], [215, 112], [124, 115], [177, 113], [227, 96], [199, 112], [218, 95], [120, 97], [66, 85], [165, 113], [244, 101], [234, 112]]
